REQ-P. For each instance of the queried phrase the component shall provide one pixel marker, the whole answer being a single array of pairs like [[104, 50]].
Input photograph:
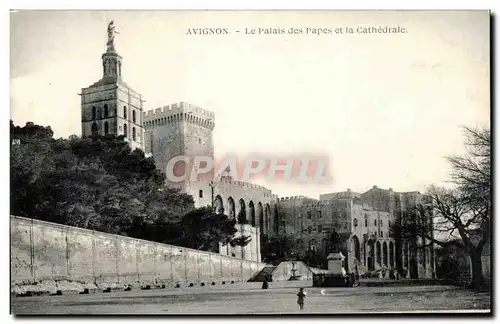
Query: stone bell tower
[[110, 106]]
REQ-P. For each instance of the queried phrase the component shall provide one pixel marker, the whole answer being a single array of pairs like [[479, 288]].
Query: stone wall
[[251, 251], [47, 251]]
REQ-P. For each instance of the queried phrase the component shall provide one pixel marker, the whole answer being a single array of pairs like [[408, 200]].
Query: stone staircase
[[285, 271], [264, 274]]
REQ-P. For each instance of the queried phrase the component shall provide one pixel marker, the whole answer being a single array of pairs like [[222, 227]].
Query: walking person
[[301, 296]]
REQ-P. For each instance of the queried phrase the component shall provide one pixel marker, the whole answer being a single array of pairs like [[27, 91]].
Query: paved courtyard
[[250, 299]]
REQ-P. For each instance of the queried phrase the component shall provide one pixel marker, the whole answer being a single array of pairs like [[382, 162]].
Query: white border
[[186, 5]]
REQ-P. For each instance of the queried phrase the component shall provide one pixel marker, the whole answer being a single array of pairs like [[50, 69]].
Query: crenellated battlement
[[309, 202], [179, 112], [177, 108], [325, 203], [299, 197], [267, 192]]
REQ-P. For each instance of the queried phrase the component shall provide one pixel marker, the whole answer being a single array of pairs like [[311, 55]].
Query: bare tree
[[460, 216], [472, 174]]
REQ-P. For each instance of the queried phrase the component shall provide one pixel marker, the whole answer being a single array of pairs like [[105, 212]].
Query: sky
[[385, 108]]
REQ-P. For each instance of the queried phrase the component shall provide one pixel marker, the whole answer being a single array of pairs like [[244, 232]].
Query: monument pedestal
[[335, 261], [336, 275]]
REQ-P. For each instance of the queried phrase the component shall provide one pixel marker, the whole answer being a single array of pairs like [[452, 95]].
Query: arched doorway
[[406, 252], [356, 248], [379, 253], [260, 213], [267, 214], [276, 221], [313, 245], [422, 256], [370, 259], [231, 206], [242, 215], [384, 254], [94, 129], [251, 209], [218, 205], [391, 255]]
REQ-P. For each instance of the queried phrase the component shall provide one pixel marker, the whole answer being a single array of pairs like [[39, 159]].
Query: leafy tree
[[240, 241], [96, 183], [242, 217], [30, 131], [317, 259], [275, 250], [31, 156], [203, 229]]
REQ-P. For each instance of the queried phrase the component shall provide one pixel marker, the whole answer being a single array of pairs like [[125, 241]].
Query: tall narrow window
[[133, 116], [94, 112], [125, 130], [94, 129], [366, 222], [106, 128], [106, 111], [125, 112], [375, 222], [133, 133]]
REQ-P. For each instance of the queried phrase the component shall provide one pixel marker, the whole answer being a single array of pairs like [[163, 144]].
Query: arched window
[[355, 222], [378, 252], [94, 129], [106, 111], [133, 133], [125, 130], [133, 116], [125, 112], [94, 112], [312, 245], [356, 247], [106, 128]]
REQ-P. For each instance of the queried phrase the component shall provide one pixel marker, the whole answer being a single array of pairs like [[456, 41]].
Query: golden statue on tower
[[111, 36]]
